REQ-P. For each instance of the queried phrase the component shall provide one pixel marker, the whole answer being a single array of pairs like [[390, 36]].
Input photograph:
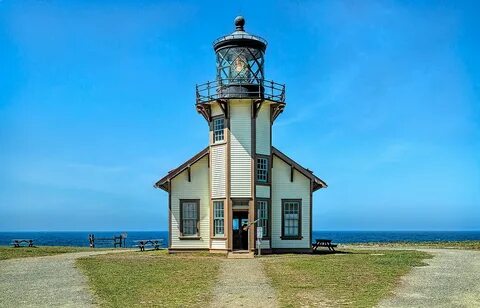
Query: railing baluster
[[272, 87]]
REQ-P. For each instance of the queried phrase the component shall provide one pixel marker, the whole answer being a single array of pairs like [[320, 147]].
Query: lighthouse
[[240, 192]]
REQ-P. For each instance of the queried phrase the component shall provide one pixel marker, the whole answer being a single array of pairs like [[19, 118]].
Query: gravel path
[[451, 279], [45, 282], [242, 283]]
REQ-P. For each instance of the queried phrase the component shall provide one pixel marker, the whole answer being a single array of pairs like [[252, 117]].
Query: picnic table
[[156, 244], [18, 242], [319, 242]]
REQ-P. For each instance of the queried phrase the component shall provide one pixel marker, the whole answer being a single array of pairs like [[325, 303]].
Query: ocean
[[81, 238]]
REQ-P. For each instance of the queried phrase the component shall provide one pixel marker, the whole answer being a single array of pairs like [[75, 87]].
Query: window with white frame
[[218, 132], [262, 216], [189, 217], [218, 218], [262, 169], [291, 218]]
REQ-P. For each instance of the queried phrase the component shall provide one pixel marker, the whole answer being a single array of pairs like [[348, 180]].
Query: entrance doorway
[[240, 236]]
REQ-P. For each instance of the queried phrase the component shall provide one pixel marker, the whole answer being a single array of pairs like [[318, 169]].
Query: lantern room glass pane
[[242, 65]]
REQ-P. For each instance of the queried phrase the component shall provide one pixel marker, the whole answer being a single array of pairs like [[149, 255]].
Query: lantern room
[[240, 71], [240, 57]]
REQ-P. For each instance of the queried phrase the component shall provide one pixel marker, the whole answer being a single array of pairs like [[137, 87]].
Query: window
[[291, 219], [218, 216], [262, 216], [262, 169], [189, 217], [218, 126]]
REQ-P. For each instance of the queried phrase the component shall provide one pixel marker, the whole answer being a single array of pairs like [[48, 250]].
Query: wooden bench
[[323, 243], [155, 244], [18, 242], [117, 240]]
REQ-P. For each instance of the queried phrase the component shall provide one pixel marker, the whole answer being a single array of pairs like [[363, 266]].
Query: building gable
[[164, 183], [317, 183]]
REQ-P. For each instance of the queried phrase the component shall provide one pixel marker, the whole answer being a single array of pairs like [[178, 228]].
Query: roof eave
[[164, 183], [161, 186], [316, 181], [319, 185]]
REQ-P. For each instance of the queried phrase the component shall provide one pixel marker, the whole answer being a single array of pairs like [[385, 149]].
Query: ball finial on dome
[[239, 23]]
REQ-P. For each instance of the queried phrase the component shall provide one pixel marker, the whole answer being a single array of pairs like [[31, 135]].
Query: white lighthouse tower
[[240, 182]]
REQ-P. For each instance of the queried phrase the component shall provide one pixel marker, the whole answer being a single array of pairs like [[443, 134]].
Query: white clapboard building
[[218, 199]]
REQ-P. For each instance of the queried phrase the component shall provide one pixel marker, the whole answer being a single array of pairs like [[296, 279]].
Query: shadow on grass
[[326, 252]]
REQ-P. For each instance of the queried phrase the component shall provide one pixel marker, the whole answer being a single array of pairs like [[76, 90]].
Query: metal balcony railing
[[226, 88]]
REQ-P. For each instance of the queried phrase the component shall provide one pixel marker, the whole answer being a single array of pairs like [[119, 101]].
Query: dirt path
[[45, 282], [451, 279], [243, 283]]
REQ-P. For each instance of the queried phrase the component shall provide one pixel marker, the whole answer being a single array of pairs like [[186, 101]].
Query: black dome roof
[[240, 38]]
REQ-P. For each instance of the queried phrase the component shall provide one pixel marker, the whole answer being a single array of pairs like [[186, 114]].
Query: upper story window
[[218, 218], [262, 170], [189, 217], [218, 129]]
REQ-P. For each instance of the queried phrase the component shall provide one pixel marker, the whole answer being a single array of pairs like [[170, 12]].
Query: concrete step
[[240, 255]]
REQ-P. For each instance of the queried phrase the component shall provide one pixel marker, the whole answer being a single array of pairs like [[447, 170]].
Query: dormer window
[[218, 129]]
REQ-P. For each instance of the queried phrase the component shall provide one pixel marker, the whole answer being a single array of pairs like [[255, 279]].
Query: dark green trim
[[269, 169], [299, 235], [193, 238]]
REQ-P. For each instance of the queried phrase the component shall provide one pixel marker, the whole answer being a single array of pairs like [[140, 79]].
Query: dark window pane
[[189, 218], [262, 169], [218, 132], [291, 217], [218, 218]]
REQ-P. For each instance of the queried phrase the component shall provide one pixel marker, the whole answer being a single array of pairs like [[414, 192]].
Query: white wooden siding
[[262, 126], [282, 188], [265, 244], [196, 189], [218, 169], [218, 244], [216, 110], [263, 191], [241, 148]]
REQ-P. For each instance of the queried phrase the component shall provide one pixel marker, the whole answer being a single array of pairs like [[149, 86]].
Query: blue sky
[[97, 103]]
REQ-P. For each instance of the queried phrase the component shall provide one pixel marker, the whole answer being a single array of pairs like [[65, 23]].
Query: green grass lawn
[[151, 278], [25, 252], [355, 279], [475, 245]]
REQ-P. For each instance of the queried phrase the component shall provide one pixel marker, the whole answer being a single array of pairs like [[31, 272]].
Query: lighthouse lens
[[239, 70], [239, 65]]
